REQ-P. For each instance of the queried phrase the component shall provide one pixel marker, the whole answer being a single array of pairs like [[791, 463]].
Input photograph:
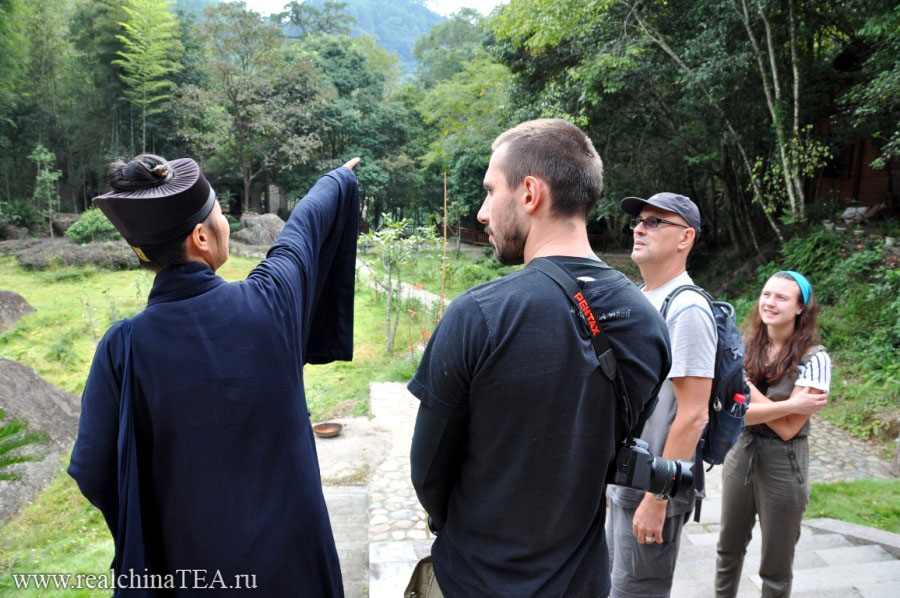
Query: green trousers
[[767, 477]]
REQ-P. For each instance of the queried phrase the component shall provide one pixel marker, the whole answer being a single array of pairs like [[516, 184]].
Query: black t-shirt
[[526, 512]]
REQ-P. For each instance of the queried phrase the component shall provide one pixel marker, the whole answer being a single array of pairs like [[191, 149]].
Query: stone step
[[347, 509], [868, 553], [392, 563], [809, 540], [703, 569], [858, 580], [826, 565], [844, 576]]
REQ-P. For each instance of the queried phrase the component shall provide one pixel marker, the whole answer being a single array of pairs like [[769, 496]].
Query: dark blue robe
[[194, 438]]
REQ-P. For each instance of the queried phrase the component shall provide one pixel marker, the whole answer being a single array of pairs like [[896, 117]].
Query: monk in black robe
[[194, 438]]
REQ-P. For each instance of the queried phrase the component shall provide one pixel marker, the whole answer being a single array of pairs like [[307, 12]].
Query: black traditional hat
[[168, 211]]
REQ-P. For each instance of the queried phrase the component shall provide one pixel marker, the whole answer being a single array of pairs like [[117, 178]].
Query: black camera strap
[[604, 351]]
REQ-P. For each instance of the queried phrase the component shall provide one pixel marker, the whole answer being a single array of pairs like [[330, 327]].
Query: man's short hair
[[559, 153]]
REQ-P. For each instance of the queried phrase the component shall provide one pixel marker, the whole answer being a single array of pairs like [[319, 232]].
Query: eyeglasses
[[651, 222]]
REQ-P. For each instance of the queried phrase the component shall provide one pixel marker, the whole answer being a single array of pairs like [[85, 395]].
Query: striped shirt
[[816, 373]]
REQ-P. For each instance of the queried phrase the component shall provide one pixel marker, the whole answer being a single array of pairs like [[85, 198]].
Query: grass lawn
[[61, 531], [874, 503]]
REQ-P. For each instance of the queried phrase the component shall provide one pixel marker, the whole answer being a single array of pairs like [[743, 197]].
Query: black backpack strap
[[599, 340], [667, 302], [699, 475]]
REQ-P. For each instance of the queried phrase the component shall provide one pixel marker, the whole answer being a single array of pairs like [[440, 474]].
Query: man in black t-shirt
[[517, 424]]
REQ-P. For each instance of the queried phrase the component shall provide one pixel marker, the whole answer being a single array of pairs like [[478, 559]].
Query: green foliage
[[255, 111], [873, 503], [805, 155], [13, 437], [462, 272], [92, 226], [448, 46], [45, 194], [62, 350], [19, 213], [876, 100], [234, 224], [148, 59], [467, 106], [396, 24], [466, 275], [538, 24], [305, 17], [10, 44], [814, 255], [396, 248]]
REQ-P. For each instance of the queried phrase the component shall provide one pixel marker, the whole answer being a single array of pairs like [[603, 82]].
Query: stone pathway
[[394, 510], [835, 456]]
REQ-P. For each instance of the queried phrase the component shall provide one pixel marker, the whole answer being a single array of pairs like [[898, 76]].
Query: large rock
[[11, 231], [62, 221], [24, 395], [107, 255], [259, 229], [13, 307]]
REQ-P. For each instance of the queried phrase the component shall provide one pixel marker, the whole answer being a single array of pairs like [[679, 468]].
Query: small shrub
[[14, 436], [92, 226], [814, 255], [62, 351], [19, 213], [234, 224]]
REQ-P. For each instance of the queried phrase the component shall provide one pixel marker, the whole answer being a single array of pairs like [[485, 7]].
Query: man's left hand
[[649, 519]]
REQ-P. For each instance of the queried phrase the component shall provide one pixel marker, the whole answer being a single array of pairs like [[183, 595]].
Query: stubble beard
[[509, 246]]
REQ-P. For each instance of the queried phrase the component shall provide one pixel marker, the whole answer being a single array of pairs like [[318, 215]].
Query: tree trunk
[[659, 41], [772, 91], [144, 129], [399, 305], [389, 342]]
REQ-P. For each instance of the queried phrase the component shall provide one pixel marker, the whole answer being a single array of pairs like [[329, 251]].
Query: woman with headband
[[766, 473]]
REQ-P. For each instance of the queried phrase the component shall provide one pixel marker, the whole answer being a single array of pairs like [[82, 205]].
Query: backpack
[[726, 416]]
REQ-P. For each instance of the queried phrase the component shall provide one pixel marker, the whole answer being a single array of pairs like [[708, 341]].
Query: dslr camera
[[637, 468]]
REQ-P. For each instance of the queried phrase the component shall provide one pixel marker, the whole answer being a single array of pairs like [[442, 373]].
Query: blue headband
[[805, 287]]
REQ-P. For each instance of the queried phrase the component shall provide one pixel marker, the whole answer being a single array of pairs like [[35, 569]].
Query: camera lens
[[671, 478]]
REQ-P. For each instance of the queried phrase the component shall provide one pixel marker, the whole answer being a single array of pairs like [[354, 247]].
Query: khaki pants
[[422, 584], [767, 476], [641, 570]]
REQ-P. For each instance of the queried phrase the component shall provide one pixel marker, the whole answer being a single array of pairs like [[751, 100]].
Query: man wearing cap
[[194, 439], [644, 529]]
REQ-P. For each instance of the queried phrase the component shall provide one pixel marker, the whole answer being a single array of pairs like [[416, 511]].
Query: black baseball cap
[[671, 202]]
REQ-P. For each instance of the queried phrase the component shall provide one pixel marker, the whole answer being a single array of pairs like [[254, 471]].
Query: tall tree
[[303, 18], [256, 113], [148, 59], [46, 196], [444, 50], [876, 99]]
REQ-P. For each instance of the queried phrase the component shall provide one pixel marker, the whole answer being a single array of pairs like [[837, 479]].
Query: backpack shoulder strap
[[567, 283], [599, 340], [667, 303]]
